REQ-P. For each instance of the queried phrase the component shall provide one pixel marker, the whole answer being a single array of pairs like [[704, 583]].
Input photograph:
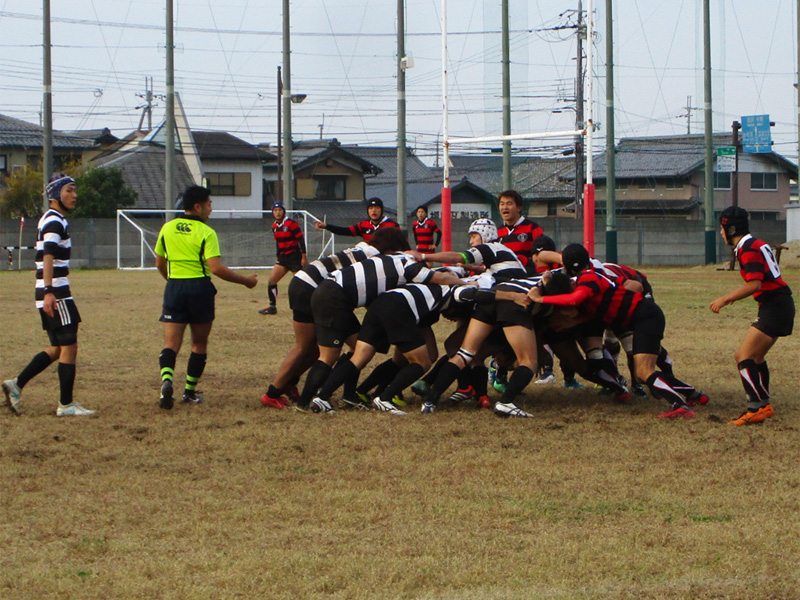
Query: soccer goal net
[[245, 239]]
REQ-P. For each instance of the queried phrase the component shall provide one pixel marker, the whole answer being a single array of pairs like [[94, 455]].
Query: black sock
[[448, 373], [167, 363], [664, 362], [194, 370], [386, 370], [317, 375], [66, 381], [404, 378], [342, 372], [430, 376], [751, 381], [38, 364], [604, 372], [274, 392], [272, 294], [763, 371], [479, 379], [661, 386], [516, 383], [464, 378]]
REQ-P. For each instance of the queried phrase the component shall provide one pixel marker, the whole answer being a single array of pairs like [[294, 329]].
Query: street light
[[295, 99]]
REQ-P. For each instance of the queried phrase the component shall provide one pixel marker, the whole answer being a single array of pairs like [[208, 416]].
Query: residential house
[[663, 177], [233, 170], [21, 145], [331, 181]]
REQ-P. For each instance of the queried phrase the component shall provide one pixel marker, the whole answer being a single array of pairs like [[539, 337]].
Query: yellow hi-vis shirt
[[186, 242]]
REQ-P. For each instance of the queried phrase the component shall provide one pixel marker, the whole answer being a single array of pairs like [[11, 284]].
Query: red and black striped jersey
[[365, 228], [597, 297], [288, 237], [757, 263], [519, 238], [619, 274], [424, 232]]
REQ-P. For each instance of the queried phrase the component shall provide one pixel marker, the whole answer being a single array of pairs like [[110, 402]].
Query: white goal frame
[[139, 255]]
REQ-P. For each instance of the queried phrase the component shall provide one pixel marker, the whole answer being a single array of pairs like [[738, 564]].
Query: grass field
[[232, 500]]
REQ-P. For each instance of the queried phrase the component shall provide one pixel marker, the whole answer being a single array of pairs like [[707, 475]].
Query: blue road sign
[[756, 134]]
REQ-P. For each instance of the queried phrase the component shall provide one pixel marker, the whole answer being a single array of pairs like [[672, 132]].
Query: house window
[[552, 208], [722, 181], [229, 184], [674, 184], [3, 164], [764, 181], [329, 187], [647, 184]]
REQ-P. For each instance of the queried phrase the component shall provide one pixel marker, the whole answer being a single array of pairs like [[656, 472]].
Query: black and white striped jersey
[[317, 271], [499, 260], [363, 281], [53, 238], [424, 298]]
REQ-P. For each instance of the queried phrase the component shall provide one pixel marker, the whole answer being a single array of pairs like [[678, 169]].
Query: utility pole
[[47, 101], [710, 229], [169, 138], [507, 185], [797, 85], [288, 175], [279, 181], [147, 107], [402, 64], [611, 177], [579, 173]]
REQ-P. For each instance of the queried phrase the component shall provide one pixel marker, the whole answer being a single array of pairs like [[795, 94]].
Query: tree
[[101, 191], [22, 194]]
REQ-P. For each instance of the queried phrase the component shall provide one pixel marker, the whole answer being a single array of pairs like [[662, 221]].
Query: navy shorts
[[62, 327], [333, 315], [775, 315], [188, 301], [389, 321], [648, 328], [300, 300], [292, 262]]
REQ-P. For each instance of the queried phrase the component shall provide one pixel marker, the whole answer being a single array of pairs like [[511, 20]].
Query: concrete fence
[[250, 242]]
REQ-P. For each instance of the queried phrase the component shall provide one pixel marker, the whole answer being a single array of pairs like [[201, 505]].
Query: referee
[[187, 253]]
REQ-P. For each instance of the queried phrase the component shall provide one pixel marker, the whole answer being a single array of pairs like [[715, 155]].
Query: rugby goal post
[[245, 239]]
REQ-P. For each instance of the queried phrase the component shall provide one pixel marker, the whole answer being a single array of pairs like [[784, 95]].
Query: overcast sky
[[343, 57]]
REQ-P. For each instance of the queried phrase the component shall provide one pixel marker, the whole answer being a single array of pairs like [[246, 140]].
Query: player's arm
[[438, 233], [337, 229], [301, 241], [219, 269], [446, 257], [748, 289], [579, 296], [161, 265], [47, 276]]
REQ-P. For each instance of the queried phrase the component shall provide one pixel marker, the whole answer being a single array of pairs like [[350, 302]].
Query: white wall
[[792, 222], [224, 204]]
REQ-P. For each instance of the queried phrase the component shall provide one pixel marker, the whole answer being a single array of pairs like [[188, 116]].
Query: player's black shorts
[[776, 315], [188, 301], [292, 262], [333, 315], [389, 321], [648, 328], [504, 313], [62, 327], [300, 300]]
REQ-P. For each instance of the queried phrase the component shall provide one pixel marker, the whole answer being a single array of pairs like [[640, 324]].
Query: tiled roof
[[664, 156], [143, 170], [221, 145], [15, 132]]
